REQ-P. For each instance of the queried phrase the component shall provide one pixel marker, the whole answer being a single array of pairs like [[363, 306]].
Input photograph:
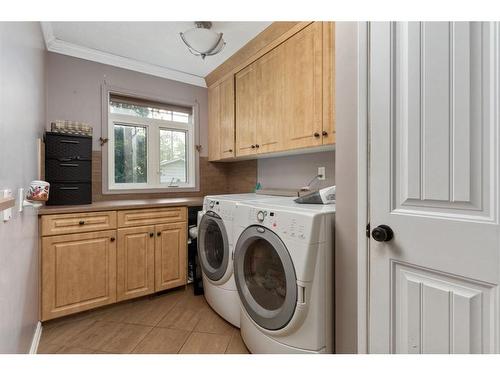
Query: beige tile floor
[[173, 322]]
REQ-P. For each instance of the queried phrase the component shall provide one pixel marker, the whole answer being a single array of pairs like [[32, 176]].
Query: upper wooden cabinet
[[260, 99], [303, 88], [284, 99], [246, 110], [221, 120]]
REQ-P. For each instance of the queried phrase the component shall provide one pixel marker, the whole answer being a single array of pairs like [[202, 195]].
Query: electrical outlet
[[321, 173], [7, 214]]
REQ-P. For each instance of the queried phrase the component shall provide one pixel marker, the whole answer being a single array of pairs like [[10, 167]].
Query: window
[[151, 145]]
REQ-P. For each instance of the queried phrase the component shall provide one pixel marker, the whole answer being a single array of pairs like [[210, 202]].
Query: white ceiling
[[149, 47]]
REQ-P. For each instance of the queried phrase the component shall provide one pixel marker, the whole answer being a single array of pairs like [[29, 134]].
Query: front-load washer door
[[265, 278], [213, 246]]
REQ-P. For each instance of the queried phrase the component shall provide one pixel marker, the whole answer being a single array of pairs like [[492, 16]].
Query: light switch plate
[[7, 214]]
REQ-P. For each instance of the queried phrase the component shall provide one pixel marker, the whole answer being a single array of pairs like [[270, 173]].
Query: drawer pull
[[69, 188], [253, 146], [68, 165], [230, 150], [81, 222], [151, 234], [68, 141], [325, 133], [158, 234], [316, 134], [112, 239]]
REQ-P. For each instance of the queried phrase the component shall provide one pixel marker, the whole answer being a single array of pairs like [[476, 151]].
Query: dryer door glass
[[265, 278], [264, 275], [213, 247]]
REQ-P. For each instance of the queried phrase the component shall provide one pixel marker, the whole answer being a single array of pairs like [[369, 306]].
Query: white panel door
[[434, 180]]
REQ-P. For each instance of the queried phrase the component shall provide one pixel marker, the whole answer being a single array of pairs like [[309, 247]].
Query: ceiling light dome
[[201, 41]]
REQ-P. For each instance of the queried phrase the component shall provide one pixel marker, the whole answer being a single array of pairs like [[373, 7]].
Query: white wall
[[293, 172], [22, 117]]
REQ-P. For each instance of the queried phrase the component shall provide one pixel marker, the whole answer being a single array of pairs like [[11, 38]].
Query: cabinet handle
[[81, 222], [72, 142], [230, 150], [316, 134], [151, 234], [112, 239], [325, 133], [68, 165], [257, 146], [158, 234], [253, 146]]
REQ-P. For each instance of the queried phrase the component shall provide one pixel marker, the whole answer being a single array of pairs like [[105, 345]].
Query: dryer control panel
[[293, 226]]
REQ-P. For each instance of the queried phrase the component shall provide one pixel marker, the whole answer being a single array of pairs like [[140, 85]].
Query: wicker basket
[[71, 127]]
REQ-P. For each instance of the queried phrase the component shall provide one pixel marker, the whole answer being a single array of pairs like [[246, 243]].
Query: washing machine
[[283, 271], [215, 252]]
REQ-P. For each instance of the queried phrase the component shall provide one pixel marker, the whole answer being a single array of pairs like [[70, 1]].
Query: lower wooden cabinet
[[78, 272], [170, 256], [82, 271], [135, 262]]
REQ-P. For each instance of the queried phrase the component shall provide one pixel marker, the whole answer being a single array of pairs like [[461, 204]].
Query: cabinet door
[[135, 259], [271, 101], [328, 134], [227, 118], [170, 256], [78, 272], [246, 110], [303, 87], [213, 123]]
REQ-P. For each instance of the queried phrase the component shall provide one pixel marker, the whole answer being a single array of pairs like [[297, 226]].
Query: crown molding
[[70, 49]]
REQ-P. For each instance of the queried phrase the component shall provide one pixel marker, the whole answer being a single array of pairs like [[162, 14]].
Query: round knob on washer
[[261, 216], [211, 204]]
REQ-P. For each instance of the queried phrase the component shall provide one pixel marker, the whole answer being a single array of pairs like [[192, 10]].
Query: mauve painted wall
[[74, 92], [22, 118], [293, 172]]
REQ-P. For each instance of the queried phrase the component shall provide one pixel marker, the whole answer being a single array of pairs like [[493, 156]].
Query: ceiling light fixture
[[201, 41]]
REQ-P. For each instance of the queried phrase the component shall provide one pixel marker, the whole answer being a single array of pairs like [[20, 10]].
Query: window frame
[[153, 127]]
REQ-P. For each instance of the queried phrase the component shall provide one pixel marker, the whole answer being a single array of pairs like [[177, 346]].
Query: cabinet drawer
[[78, 222], [63, 146], [64, 171], [70, 193], [131, 218]]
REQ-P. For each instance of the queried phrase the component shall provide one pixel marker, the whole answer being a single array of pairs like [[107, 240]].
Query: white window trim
[[153, 126]]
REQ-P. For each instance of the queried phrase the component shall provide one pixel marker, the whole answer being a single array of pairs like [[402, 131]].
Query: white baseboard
[[36, 338]]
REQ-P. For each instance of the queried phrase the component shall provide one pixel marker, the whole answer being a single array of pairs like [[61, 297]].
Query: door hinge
[[368, 230]]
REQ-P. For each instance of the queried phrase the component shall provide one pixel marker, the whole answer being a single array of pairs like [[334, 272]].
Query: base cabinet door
[[78, 272], [170, 256], [135, 262]]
